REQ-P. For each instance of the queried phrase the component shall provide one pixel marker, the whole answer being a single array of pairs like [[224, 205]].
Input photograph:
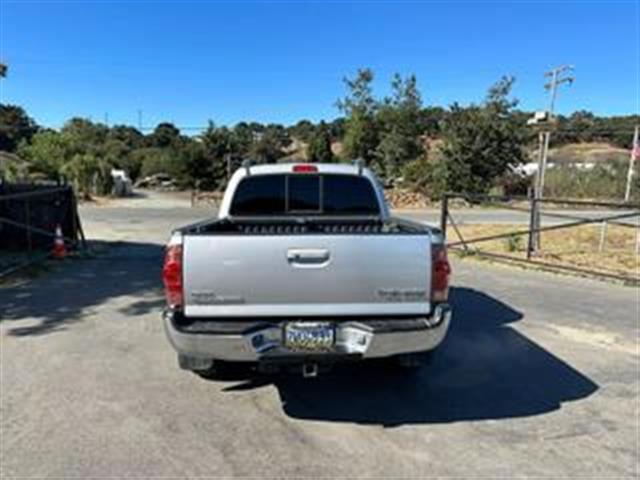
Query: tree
[[78, 151], [219, 146], [266, 149], [279, 134], [118, 154], [303, 130], [164, 135], [88, 142], [157, 160], [319, 149], [243, 138], [130, 136], [82, 169], [47, 153], [400, 129], [15, 126], [121, 143], [191, 166], [269, 144], [336, 128], [480, 143], [86, 135], [359, 106], [431, 120]]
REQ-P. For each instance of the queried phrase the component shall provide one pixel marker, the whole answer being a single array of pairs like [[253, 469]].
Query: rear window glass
[[259, 195], [329, 194], [304, 193], [344, 195]]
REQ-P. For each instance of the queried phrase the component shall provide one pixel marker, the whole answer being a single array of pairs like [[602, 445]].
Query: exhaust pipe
[[310, 370]]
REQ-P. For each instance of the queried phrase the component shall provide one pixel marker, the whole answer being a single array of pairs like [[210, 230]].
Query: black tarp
[[40, 208]]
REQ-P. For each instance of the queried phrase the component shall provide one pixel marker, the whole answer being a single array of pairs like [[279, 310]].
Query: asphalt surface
[[156, 204], [538, 377]]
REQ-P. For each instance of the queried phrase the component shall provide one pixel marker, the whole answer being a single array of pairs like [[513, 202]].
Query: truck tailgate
[[306, 275]]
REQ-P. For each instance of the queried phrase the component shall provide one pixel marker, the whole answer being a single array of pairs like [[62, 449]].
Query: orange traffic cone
[[59, 249]]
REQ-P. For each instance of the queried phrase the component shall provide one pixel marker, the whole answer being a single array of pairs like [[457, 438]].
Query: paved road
[[155, 205], [538, 377]]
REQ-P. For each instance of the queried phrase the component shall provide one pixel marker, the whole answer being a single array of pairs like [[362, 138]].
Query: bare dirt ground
[[538, 377]]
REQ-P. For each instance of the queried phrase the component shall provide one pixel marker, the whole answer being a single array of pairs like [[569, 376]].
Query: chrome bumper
[[353, 338]]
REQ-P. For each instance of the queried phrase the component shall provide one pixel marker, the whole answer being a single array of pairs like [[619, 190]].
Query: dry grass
[[576, 247], [588, 152]]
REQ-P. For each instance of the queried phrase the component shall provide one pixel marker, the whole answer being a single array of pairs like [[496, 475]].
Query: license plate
[[309, 336]]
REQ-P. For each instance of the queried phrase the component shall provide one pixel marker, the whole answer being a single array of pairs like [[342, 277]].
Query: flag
[[635, 151], [634, 157]]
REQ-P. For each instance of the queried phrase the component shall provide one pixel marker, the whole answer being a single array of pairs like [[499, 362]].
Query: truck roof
[[340, 168]]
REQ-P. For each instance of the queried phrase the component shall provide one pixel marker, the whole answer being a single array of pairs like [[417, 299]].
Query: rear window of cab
[[307, 194]]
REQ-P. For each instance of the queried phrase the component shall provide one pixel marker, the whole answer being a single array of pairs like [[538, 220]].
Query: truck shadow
[[75, 288], [484, 370]]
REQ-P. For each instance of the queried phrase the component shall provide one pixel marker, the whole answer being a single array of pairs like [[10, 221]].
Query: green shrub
[[156, 160], [427, 176], [514, 243]]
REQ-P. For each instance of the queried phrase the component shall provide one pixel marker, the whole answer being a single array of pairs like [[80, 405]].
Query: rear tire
[[220, 370]]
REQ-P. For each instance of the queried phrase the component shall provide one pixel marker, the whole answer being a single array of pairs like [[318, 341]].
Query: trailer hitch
[[310, 370]]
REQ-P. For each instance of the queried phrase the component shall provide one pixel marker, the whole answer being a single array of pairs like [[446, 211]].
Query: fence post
[[195, 193], [27, 212], [74, 214], [531, 244], [444, 214], [603, 236]]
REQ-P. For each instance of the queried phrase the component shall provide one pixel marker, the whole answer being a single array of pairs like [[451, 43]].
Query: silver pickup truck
[[304, 267]]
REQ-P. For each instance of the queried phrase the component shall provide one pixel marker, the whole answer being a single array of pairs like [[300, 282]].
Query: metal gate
[[540, 216]]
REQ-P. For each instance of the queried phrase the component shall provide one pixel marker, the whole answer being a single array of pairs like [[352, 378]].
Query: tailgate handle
[[308, 256]]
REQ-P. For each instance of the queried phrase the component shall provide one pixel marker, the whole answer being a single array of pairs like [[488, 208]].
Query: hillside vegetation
[[427, 149], [588, 153]]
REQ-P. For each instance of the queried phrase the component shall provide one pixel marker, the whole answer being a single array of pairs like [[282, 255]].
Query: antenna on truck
[[359, 162], [246, 163]]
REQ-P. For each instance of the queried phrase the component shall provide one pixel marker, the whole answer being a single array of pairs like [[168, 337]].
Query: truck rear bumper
[[357, 338]]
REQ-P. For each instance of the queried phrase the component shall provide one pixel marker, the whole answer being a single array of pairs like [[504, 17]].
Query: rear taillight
[[439, 274], [172, 276]]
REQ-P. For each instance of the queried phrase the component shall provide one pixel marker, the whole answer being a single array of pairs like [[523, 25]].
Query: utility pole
[[140, 120], [633, 157], [558, 76]]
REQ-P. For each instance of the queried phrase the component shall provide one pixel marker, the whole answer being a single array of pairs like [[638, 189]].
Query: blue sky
[[280, 61]]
